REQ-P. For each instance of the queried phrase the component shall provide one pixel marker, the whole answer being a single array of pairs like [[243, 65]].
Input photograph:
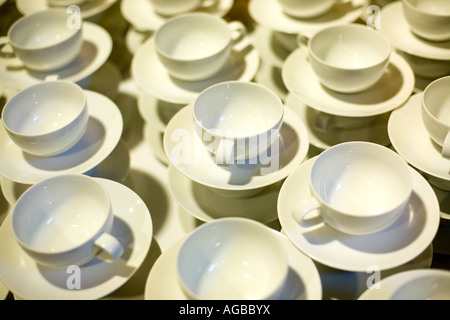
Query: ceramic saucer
[[198, 165], [4, 291], [375, 132], [404, 240], [396, 29], [132, 225], [135, 38], [411, 140], [206, 205], [140, 13], [390, 285], [88, 9], [303, 281], [269, 47], [270, 77], [268, 13], [393, 89], [95, 51], [152, 77], [154, 138], [103, 133], [156, 112]]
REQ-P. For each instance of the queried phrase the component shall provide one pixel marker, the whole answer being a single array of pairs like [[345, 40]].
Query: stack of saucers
[[341, 99], [278, 25]]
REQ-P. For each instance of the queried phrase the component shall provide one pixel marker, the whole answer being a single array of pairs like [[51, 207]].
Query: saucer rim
[[92, 33], [307, 27], [334, 105], [146, 57], [153, 20], [144, 229], [395, 8], [102, 104], [293, 230], [300, 263], [42, 5], [289, 117]]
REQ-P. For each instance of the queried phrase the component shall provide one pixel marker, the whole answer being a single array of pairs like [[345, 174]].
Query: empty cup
[[47, 118], [65, 220], [232, 259], [357, 188]]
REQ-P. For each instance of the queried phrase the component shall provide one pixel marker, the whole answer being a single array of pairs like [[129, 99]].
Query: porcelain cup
[[435, 110], [175, 7], [47, 118], [196, 46], [232, 259], [237, 120], [348, 58], [66, 220], [428, 19], [357, 188], [307, 9], [43, 41]]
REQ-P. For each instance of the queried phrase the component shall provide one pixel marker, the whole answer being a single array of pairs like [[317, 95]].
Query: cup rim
[[425, 96], [414, 8], [24, 91], [214, 133], [51, 12], [31, 189], [394, 157], [351, 26]]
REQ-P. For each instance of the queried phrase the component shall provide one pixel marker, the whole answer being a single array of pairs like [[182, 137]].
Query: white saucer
[[408, 237], [411, 140], [135, 38], [303, 279], [393, 89], [132, 225], [206, 205], [375, 132], [154, 138], [391, 284], [152, 77], [270, 77], [140, 13], [95, 51], [102, 136], [268, 13], [156, 112], [88, 9], [396, 28], [201, 168], [269, 47]]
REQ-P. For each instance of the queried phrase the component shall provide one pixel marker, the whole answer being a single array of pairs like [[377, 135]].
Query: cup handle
[[238, 31], [110, 247], [446, 146], [302, 209], [4, 41]]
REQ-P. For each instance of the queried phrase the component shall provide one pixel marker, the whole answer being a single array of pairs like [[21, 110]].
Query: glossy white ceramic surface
[[232, 258], [47, 119], [43, 42], [174, 7], [305, 9]]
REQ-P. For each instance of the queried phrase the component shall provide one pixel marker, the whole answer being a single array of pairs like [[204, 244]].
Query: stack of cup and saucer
[[347, 94], [420, 32], [212, 51], [279, 21]]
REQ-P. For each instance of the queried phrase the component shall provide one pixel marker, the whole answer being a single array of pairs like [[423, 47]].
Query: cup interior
[[238, 109], [44, 108], [361, 179], [41, 30], [349, 47], [60, 214], [232, 258], [436, 100], [192, 37]]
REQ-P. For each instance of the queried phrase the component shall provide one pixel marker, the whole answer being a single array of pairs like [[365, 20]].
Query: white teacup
[[435, 110], [307, 9], [357, 188], [232, 258], [47, 118], [196, 46], [176, 7], [237, 120], [348, 58], [43, 41], [429, 19], [65, 220]]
